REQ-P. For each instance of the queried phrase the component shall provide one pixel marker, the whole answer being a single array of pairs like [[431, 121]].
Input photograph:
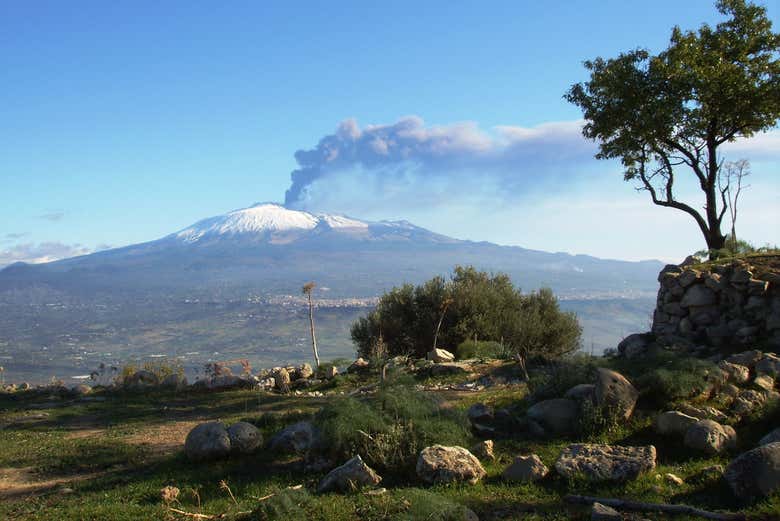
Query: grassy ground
[[109, 457]]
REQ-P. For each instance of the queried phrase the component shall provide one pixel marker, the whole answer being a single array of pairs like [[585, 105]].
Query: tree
[[734, 172], [670, 113], [307, 289], [472, 304]]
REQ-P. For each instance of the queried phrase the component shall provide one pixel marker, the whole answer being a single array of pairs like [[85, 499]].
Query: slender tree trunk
[[438, 326], [313, 337]]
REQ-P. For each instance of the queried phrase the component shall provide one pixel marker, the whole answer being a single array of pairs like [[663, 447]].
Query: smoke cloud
[[506, 158]]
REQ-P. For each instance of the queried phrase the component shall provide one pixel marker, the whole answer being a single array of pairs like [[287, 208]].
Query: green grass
[[121, 479]]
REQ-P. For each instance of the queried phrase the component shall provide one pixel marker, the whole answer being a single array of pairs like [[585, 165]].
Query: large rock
[[298, 437], [756, 473], [480, 413], [605, 462], [174, 381], [772, 437], [557, 416], [674, 422], [765, 382], [710, 437], [738, 374], [635, 345], [441, 355], [746, 358], [142, 379], [207, 441], [581, 393], [484, 450], [227, 381], [358, 366], [440, 464], [614, 392], [748, 400], [769, 365], [698, 295], [244, 437], [449, 368], [525, 469], [302, 372], [352, 475], [281, 379]]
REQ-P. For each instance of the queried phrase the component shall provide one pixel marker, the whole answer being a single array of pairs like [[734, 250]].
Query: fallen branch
[[269, 496], [654, 507], [193, 514]]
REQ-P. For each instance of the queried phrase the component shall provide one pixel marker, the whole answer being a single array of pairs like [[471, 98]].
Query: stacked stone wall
[[722, 305]]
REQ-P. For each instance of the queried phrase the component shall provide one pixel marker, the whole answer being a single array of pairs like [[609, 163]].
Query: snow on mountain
[[264, 218]]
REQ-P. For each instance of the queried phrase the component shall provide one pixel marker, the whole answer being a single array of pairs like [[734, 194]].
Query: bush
[[675, 379], [554, 379], [473, 304], [160, 368], [478, 349], [389, 429]]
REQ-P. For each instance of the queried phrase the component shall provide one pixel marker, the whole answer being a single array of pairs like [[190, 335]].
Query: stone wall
[[723, 305]]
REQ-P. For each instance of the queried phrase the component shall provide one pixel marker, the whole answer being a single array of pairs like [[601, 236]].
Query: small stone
[[599, 512], [352, 475], [671, 478], [526, 469], [484, 450]]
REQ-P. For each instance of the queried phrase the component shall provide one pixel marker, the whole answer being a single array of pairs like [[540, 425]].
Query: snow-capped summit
[[264, 218]]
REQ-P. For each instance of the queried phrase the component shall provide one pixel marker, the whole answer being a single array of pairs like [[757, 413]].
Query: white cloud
[[33, 253]]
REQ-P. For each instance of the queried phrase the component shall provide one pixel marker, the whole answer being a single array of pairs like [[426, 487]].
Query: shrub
[[555, 378], [472, 304], [432, 507], [674, 379], [479, 349], [595, 421], [160, 368], [389, 429]]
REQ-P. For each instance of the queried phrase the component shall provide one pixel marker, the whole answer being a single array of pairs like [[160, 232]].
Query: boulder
[[769, 365], [226, 381], [298, 437], [302, 372], [330, 372], [674, 422], [747, 358], [772, 437], [244, 437], [281, 379], [440, 355], [635, 345], [710, 437], [352, 475], [480, 413], [614, 392], [581, 392], [484, 450], [748, 400], [142, 379], [358, 366], [207, 441], [756, 473], [698, 295], [703, 413], [765, 382], [174, 381], [525, 469], [738, 374], [81, 389], [439, 464], [688, 277], [557, 416], [605, 462], [599, 512]]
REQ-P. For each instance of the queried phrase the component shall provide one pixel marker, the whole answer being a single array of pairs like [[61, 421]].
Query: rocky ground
[[587, 439]]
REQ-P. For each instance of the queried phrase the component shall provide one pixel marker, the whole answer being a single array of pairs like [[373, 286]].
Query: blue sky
[[125, 121]]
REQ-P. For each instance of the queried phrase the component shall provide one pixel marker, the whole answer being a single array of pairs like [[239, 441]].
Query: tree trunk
[[313, 338]]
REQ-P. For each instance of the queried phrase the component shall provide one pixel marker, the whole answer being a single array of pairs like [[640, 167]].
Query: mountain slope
[[271, 249]]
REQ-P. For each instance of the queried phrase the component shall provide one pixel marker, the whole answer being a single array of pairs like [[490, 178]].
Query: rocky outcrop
[[755, 473], [439, 464], [605, 462], [723, 305], [352, 475], [525, 469]]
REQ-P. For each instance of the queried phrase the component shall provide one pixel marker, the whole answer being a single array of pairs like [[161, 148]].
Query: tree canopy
[[482, 305], [669, 113]]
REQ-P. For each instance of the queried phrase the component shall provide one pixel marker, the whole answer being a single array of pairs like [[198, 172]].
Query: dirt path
[[21, 482]]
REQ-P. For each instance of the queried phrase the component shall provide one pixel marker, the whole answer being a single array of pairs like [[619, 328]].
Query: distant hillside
[[270, 249]]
